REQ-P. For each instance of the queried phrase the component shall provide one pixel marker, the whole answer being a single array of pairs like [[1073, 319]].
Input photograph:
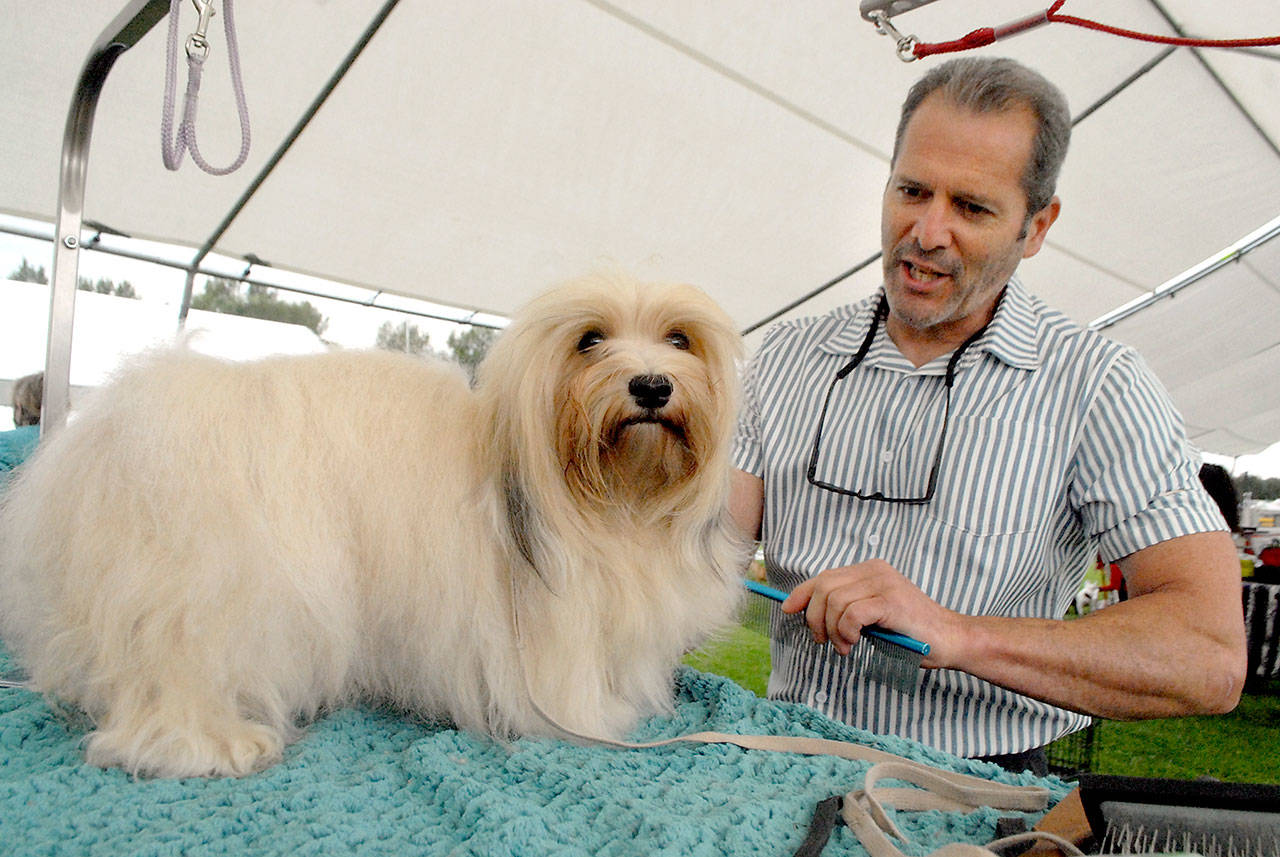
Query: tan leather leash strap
[[862, 810]]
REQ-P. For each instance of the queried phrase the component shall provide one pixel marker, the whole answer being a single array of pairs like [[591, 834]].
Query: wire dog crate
[[1075, 754]]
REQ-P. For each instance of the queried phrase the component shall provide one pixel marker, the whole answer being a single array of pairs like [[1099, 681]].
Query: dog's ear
[[521, 522], [517, 517]]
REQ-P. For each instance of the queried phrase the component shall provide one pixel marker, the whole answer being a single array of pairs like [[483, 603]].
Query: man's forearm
[[1176, 647]]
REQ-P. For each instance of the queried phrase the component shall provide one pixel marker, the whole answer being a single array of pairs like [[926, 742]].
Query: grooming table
[[370, 782]]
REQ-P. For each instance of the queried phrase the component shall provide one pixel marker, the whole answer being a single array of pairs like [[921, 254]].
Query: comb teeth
[[891, 664], [889, 659]]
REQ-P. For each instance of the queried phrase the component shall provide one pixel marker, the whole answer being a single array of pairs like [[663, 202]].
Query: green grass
[[1243, 746], [741, 655], [1239, 747]]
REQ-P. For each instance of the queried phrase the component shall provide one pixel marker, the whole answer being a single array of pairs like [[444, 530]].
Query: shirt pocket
[[998, 477]]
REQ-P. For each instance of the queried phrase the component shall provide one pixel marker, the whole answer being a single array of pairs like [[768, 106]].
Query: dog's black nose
[[650, 391]]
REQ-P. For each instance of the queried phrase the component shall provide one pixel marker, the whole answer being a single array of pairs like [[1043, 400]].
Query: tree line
[[466, 348], [221, 294], [1260, 488], [28, 273]]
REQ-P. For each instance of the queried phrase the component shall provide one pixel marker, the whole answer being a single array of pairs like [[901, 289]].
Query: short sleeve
[[1136, 480]]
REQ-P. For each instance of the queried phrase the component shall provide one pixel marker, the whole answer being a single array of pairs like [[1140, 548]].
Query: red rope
[[986, 35], [977, 39]]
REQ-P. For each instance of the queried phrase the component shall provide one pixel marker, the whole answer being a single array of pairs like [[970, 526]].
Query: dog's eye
[[589, 340], [678, 339]]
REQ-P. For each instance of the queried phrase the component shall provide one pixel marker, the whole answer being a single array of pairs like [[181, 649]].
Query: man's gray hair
[[996, 84]]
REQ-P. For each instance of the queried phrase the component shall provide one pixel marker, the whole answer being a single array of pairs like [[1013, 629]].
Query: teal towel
[[16, 446], [372, 782]]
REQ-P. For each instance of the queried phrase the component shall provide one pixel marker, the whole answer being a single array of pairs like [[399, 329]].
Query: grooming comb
[[1141, 815], [894, 659]]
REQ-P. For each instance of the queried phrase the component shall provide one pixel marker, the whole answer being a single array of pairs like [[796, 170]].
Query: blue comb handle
[[903, 640]]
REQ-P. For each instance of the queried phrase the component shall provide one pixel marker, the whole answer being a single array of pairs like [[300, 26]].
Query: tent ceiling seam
[[1123, 85], [803, 299], [1101, 269], [1259, 53], [737, 77], [1222, 84], [1265, 277]]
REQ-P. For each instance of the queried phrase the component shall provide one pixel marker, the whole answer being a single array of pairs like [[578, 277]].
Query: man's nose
[[933, 227]]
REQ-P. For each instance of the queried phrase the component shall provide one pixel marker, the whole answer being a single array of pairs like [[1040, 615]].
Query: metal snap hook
[[906, 44], [197, 43]]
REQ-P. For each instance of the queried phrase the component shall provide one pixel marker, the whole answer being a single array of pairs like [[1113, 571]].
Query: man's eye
[[910, 191], [973, 208], [589, 340], [678, 339]]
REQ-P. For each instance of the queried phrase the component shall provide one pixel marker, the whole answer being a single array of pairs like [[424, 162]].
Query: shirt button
[[886, 456], [820, 696], [873, 539]]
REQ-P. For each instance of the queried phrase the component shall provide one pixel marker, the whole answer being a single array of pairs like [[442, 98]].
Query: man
[[16, 446], [944, 458]]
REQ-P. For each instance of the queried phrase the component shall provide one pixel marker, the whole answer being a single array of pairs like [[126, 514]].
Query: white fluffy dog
[[212, 553]]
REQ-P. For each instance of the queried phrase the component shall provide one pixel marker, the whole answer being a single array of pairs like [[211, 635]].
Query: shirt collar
[[1011, 336], [846, 335]]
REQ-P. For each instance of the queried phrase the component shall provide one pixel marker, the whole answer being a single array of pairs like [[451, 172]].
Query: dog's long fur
[[212, 553]]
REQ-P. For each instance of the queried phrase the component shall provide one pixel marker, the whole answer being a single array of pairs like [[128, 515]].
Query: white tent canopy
[[1215, 341], [477, 151]]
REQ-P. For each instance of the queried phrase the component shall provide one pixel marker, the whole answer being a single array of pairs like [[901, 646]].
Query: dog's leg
[[181, 737], [179, 689], [170, 708]]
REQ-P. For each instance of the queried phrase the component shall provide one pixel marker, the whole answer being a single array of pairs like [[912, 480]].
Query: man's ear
[[1039, 227]]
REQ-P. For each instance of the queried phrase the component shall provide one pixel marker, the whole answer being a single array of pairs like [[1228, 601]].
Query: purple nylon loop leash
[[172, 147]]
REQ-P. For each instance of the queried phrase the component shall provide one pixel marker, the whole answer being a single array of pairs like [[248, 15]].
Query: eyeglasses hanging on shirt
[[882, 313]]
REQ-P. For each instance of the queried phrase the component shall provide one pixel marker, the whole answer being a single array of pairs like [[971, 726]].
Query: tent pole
[[137, 18], [1169, 289], [838, 278], [253, 281]]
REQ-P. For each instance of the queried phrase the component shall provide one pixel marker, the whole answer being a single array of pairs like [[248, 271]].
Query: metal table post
[[137, 18]]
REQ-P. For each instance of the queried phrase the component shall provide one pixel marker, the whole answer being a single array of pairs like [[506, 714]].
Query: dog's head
[[623, 393]]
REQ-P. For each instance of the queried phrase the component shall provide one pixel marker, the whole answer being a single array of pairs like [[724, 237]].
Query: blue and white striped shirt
[[1061, 444]]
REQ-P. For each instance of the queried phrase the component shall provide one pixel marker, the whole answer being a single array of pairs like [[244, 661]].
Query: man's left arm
[[1175, 647]]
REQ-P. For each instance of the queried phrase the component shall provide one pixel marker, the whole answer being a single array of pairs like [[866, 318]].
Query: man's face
[[953, 214]]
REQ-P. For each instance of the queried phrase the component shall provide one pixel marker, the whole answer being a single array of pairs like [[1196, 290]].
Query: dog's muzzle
[[651, 392]]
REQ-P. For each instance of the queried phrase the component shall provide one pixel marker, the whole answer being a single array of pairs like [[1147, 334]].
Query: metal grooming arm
[[888, 8], [137, 18]]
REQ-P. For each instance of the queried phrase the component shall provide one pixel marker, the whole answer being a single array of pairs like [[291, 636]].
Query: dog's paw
[[233, 750]]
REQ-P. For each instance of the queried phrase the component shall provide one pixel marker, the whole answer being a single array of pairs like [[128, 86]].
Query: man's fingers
[[799, 597], [847, 605], [838, 603]]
